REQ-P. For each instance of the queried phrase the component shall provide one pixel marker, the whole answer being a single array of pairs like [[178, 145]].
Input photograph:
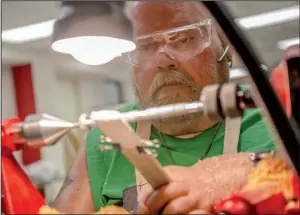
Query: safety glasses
[[179, 43]]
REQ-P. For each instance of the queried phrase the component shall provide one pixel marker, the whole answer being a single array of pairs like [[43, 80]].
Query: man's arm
[[75, 196]]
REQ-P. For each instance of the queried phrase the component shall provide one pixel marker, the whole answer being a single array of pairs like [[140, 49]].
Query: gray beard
[[179, 125], [188, 123]]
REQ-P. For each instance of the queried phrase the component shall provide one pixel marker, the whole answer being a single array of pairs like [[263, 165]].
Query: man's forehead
[[149, 17]]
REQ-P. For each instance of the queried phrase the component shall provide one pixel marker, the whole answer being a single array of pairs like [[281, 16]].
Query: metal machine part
[[42, 130], [216, 101], [227, 100], [209, 98], [149, 114]]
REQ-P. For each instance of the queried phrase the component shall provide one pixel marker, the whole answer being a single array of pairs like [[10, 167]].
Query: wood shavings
[[272, 171]]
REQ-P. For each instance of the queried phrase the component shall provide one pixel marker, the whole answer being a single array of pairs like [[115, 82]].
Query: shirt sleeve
[[255, 135]]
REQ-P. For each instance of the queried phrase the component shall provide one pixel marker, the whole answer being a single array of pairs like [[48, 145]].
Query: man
[[179, 51]]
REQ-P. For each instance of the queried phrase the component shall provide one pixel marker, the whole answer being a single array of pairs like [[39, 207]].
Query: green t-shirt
[[110, 172]]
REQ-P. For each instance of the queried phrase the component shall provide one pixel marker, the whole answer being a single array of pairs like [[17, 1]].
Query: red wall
[[25, 104]]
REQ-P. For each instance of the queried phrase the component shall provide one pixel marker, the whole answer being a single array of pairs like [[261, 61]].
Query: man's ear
[[225, 42], [231, 54]]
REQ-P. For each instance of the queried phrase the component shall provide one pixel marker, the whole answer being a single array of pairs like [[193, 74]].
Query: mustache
[[170, 77]]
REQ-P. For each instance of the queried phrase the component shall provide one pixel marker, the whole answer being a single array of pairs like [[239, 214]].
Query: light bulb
[[93, 59], [93, 50]]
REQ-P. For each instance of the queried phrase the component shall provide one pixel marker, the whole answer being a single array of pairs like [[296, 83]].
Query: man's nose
[[166, 61]]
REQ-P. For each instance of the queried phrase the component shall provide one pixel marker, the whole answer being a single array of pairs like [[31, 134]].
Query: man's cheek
[[201, 67], [143, 81]]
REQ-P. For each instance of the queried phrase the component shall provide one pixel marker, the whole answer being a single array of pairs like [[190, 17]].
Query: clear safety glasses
[[181, 43]]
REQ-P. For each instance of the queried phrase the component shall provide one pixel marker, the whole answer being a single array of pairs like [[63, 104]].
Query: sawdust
[[272, 171]]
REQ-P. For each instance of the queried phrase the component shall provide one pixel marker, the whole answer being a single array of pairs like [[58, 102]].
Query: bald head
[[148, 16]]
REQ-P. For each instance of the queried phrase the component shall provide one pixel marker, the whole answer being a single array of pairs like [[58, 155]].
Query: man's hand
[[196, 189], [185, 197]]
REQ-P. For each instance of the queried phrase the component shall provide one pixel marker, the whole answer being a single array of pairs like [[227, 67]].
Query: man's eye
[[186, 39], [148, 47]]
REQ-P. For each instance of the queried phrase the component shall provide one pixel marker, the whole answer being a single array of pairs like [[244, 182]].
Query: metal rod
[[289, 136], [163, 111], [149, 113]]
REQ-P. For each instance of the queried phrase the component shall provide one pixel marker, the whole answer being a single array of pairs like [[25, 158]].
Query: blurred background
[[36, 78]]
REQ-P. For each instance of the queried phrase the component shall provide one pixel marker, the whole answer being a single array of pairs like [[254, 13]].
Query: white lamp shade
[[93, 32], [93, 50]]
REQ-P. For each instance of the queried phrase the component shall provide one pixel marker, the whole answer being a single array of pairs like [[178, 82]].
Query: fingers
[[199, 211], [258, 193], [176, 198], [143, 209], [181, 205], [161, 197], [144, 193]]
